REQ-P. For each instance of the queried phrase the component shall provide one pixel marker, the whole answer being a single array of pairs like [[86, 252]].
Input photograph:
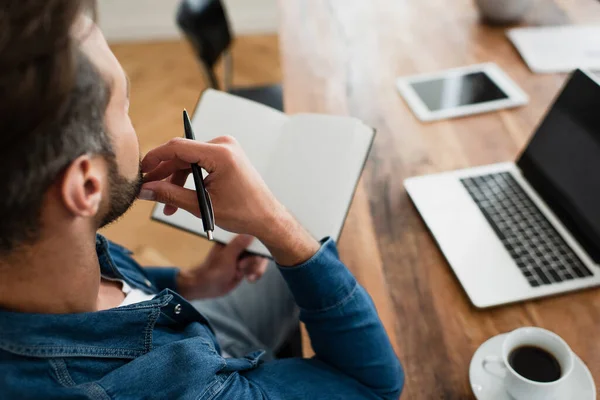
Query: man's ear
[[83, 185]]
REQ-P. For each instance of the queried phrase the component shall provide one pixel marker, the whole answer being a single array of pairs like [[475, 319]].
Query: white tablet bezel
[[516, 96]]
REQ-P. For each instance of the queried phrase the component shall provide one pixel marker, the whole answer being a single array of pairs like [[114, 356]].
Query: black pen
[[204, 203]]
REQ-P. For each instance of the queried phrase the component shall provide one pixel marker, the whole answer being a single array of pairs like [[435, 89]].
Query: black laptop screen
[[562, 161]]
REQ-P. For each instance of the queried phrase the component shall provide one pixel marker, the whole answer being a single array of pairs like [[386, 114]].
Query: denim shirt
[[165, 349]]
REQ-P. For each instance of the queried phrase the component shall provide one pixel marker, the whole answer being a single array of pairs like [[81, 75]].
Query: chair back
[[205, 24]]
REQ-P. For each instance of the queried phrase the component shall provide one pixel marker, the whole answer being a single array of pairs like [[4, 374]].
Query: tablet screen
[[459, 90]]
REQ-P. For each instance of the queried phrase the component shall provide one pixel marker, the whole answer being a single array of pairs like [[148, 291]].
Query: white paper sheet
[[559, 48]]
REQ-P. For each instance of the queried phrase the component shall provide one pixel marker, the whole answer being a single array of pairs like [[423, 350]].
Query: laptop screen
[[562, 160]]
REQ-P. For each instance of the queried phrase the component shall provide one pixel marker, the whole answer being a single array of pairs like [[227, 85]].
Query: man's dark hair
[[52, 107]]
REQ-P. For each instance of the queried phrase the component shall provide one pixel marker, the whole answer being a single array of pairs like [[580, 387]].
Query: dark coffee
[[535, 364]]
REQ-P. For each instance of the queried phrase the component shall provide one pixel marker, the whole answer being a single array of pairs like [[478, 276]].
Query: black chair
[[205, 24]]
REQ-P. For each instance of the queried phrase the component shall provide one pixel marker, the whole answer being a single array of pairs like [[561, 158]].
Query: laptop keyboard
[[538, 250]]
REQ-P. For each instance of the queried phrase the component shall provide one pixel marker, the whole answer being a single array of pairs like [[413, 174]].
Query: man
[[80, 319]]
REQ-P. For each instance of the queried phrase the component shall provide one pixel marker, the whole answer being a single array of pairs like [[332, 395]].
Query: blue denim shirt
[[165, 349]]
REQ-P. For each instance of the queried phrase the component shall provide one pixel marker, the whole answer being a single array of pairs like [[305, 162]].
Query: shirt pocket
[[249, 361]]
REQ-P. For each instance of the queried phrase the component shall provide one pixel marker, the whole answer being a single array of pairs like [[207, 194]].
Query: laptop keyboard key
[[579, 272], [554, 275], [540, 274]]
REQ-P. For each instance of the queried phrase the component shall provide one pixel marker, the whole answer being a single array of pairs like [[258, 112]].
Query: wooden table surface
[[342, 57]]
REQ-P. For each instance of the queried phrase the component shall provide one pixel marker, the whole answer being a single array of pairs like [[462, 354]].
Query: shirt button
[[148, 283], [178, 309]]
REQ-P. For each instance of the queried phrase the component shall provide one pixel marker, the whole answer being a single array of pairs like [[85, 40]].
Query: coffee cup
[[535, 364], [503, 11]]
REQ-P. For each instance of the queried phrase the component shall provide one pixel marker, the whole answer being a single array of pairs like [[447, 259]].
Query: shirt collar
[[108, 267]]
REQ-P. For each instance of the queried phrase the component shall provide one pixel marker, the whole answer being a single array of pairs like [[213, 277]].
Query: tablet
[[460, 92]]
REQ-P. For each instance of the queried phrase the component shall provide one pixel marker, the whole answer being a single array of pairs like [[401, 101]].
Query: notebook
[[552, 49], [312, 163]]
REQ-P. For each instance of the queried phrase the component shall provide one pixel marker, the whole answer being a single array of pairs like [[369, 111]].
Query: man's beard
[[122, 193]]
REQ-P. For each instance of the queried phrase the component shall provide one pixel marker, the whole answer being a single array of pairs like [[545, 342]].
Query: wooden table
[[342, 57]]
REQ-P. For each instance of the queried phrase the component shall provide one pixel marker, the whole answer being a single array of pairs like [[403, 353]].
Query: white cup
[[519, 387], [503, 11]]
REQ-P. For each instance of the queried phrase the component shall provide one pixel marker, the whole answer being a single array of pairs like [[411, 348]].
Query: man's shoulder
[[183, 368]]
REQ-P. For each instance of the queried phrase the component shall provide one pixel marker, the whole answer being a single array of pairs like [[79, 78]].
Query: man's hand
[[242, 202], [222, 271], [238, 193]]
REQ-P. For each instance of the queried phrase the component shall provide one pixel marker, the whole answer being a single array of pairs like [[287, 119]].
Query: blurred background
[[155, 19]]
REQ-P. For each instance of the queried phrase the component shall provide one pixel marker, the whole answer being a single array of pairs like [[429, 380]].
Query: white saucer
[[488, 387]]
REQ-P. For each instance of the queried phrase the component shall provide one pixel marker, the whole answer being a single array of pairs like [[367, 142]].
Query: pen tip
[[210, 235]]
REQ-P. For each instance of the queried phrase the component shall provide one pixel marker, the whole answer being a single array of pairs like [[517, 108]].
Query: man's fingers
[[234, 283], [169, 210], [224, 140], [255, 267], [215, 250], [188, 151], [166, 169], [178, 178], [170, 194], [239, 244]]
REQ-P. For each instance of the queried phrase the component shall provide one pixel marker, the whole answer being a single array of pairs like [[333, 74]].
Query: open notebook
[[312, 163]]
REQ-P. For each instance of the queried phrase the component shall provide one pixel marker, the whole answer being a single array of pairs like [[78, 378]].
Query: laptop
[[524, 230]]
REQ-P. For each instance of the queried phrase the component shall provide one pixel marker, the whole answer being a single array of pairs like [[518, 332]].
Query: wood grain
[[342, 57]]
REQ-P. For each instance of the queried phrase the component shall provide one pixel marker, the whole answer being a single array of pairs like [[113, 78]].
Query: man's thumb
[[170, 194], [240, 243]]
